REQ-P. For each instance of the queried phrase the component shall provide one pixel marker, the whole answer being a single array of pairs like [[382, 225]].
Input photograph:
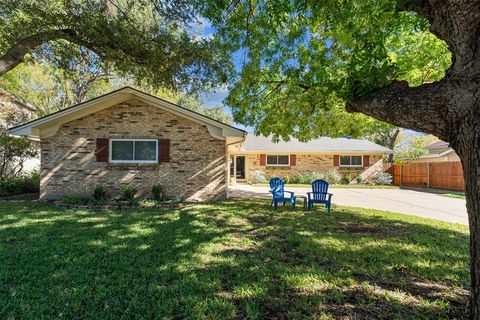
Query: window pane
[[122, 150], [356, 160], [344, 160], [283, 160], [145, 150], [272, 160]]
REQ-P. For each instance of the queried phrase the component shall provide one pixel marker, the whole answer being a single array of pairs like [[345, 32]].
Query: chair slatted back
[[320, 189], [277, 187]]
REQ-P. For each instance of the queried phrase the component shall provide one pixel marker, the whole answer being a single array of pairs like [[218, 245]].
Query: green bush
[[305, 177], [100, 194], [384, 178], [359, 179], [25, 183], [347, 178], [158, 192], [287, 179], [332, 176], [128, 193]]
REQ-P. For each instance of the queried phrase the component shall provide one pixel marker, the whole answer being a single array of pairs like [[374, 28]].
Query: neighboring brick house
[[439, 151], [348, 156], [130, 138]]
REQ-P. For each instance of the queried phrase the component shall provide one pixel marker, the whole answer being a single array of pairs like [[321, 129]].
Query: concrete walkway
[[422, 204]]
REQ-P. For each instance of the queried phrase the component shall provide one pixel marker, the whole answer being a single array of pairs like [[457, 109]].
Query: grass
[[341, 186], [445, 193], [229, 260]]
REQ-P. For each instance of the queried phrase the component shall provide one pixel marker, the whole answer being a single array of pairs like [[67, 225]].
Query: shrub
[[304, 178], [24, 183], [128, 193], [384, 178], [258, 177], [100, 194], [286, 179], [347, 178], [359, 179], [332, 176], [158, 192]]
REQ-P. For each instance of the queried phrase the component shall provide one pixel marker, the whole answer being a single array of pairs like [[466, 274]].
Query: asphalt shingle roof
[[323, 144], [438, 144]]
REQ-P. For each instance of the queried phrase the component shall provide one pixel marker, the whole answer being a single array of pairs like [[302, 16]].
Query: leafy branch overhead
[[150, 40], [303, 60]]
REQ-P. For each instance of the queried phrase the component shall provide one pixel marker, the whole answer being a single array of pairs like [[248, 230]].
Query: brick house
[[347, 156], [130, 138], [439, 151]]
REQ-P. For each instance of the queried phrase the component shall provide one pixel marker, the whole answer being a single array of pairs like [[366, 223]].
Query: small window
[[133, 150], [278, 160], [351, 161]]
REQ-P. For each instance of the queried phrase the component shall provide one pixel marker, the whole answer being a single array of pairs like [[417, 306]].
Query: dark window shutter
[[366, 161], [336, 160], [262, 159], [293, 160], [163, 150], [101, 150]]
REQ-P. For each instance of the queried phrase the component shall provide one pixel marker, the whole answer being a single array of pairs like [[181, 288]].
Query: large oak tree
[[151, 40], [304, 60]]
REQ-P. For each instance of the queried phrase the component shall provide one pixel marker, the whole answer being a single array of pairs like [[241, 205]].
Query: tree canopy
[[152, 41], [302, 61]]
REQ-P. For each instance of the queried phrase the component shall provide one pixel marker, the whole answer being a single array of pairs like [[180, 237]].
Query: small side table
[[305, 201]]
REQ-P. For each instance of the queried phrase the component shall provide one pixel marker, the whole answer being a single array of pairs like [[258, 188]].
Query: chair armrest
[[292, 193], [330, 195]]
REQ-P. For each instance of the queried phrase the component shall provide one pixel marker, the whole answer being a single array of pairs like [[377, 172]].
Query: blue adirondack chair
[[277, 189], [320, 194]]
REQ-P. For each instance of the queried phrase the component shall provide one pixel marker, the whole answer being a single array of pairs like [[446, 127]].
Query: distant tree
[[13, 153], [195, 104], [411, 146], [52, 86]]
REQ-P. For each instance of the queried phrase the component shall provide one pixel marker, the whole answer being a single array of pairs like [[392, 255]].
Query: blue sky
[[217, 96]]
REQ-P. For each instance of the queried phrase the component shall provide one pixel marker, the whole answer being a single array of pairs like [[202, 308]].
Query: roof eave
[[35, 127]]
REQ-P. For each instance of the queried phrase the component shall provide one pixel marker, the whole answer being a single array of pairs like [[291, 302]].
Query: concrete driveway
[[422, 204]]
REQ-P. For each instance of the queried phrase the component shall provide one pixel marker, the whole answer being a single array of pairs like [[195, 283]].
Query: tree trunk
[[391, 144], [468, 148], [450, 110]]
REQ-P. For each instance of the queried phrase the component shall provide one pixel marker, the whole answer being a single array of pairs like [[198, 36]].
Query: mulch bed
[[116, 206], [19, 197]]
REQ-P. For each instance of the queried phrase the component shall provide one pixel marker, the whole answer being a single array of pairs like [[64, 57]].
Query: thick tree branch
[[435, 108], [16, 54]]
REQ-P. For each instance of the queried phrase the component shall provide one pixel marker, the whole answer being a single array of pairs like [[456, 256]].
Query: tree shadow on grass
[[227, 260]]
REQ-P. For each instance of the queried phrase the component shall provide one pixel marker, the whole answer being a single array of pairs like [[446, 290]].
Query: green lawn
[[229, 260], [445, 193]]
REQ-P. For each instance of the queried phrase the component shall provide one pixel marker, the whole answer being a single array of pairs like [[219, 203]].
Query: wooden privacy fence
[[437, 175]]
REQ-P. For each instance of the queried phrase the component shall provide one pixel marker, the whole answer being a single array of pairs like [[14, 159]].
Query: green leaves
[[303, 60], [149, 40]]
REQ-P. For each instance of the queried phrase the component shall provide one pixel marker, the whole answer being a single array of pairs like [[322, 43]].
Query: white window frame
[[132, 161], [351, 165], [277, 165]]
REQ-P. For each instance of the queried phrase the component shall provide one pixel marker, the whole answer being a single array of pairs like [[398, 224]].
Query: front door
[[240, 167]]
